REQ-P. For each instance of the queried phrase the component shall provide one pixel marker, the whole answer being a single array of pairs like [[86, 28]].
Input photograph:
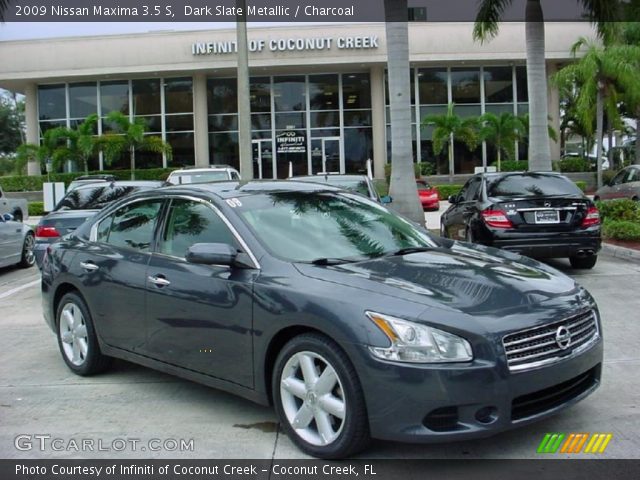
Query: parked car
[[213, 173], [16, 243], [361, 184], [535, 214], [86, 179], [351, 320], [17, 207], [79, 204], [625, 184], [428, 196]]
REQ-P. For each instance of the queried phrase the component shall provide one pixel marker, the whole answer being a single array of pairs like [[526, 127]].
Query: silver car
[[16, 243], [626, 184]]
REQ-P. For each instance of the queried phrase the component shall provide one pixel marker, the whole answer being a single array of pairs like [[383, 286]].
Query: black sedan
[[80, 203], [350, 320], [542, 215]]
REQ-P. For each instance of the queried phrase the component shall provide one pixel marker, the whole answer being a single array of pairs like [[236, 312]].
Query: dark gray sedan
[[16, 243], [350, 320]]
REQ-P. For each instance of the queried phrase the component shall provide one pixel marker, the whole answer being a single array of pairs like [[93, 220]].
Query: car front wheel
[[583, 262], [77, 338], [28, 258], [318, 398]]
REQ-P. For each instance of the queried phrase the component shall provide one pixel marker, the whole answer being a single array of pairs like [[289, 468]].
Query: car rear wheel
[[28, 257], [583, 262], [77, 338], [318, 398]]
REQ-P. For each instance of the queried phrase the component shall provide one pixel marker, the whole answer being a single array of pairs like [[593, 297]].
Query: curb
[[621, 252]]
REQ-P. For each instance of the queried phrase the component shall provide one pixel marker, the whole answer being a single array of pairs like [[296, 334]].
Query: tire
[[28, 258], [583, 263], [17, 216], [293, 398], [77, 338]]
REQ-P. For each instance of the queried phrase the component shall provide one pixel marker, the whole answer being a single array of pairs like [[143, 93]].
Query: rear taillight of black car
[[496, 219], [591, 218]]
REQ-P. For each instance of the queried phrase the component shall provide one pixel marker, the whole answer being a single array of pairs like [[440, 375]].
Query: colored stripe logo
[[574, 443]]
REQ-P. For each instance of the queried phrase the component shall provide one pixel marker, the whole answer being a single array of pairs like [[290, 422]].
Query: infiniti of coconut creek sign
[[288, 45]]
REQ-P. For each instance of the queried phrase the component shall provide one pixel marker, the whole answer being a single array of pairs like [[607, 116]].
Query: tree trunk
[[609, 149], [244, 105], [132, 157], [403, 187], [499, 158], [450, 157], [599, 133], [539, 148]]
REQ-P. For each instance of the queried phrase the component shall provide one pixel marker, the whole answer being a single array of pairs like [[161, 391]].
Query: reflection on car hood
[[471, 279]]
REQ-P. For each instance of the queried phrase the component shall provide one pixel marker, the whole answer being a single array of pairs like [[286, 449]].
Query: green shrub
[[581, 185], [427, 168], [36, 209], [382, 187], [512, 165], [619, 210], [572, 164], [34, 183], [445, 191], [621, 230], [387, 170]]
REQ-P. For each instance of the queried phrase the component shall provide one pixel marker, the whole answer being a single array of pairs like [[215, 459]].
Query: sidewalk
[[621, 252]]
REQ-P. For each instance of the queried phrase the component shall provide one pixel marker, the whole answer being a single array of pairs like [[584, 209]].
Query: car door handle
[[159, 281], [89, 266]]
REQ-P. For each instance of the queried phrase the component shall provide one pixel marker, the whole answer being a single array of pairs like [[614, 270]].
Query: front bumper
[[439, 403]]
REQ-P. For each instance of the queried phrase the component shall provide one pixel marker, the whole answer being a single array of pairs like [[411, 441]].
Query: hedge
[[512, 165], [572, 164], [621, 230], [445, 191], [619, 210], [36, 209], [34, 183]]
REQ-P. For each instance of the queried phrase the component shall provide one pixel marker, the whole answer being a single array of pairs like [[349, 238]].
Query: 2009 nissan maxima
[[350, 320]]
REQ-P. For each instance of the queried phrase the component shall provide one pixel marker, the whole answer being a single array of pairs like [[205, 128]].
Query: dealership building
[[317, 92]]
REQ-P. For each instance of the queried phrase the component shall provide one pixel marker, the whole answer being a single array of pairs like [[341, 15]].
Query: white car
[[213, 173], [16, 243]]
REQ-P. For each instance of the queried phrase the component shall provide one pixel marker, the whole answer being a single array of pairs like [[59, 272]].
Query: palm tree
[[502, 132], [128, 135], [602, 73], [450, 127], [78, 145], [402, 187], [486, 27]]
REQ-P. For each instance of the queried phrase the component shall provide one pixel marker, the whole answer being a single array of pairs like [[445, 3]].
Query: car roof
[[220, 168], [326, 176], [492, 175], [120, 183]]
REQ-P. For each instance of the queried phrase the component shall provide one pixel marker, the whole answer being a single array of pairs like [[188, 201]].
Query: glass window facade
[[474, 90], [326, 116], [164, 105]]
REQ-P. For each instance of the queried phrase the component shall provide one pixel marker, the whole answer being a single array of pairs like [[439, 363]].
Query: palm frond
[[488, 19]]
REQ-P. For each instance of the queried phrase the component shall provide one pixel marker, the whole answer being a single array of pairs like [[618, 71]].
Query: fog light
[[487, 415]]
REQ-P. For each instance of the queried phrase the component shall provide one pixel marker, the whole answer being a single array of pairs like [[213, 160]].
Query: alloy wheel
[[73, 333]]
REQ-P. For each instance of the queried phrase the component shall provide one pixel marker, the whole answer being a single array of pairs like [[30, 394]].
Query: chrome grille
[[539, 346]]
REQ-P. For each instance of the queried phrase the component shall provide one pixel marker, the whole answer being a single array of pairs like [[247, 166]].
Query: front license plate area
[[547, 216]]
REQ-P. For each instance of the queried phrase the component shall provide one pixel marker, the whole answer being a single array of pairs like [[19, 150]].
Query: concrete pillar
[[200, 120], [553, 106], [378, 122], [31, 121]]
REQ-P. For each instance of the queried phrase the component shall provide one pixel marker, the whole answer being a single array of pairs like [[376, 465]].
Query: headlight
[[415, 343]]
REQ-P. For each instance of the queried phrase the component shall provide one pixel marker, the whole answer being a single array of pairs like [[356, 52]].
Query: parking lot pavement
[[39, 395]]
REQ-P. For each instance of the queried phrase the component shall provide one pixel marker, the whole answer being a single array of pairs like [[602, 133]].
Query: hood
[[475, 280]]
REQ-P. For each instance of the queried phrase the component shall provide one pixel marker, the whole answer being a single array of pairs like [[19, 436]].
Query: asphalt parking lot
[[40, 396]]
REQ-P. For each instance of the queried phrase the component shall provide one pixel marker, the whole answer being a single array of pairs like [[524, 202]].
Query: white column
[[553, 106], [31, 120], [200, 120], [378, 122]]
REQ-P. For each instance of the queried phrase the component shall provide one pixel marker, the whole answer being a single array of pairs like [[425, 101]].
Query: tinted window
[[532, 185], [359, 186], [94, 197], [473, 189], [635, 175], [133, 225], [303, 226], [190, 223]]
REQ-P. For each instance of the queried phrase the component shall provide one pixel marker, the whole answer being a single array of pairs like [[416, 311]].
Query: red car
[[428, 196]]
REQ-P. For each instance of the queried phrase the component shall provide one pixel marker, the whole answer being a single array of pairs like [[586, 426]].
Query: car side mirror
[[7, 217], [453, 199], [211, 254], [386, 200]]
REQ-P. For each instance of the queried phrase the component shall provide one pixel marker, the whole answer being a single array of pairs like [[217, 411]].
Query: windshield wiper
[[331, 261], [408, 250]]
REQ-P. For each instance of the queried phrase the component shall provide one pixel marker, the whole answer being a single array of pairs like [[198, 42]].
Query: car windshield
[[308, 226], [423, 186], [531, 185], [202, 177], [359, 186], [94, 197]]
